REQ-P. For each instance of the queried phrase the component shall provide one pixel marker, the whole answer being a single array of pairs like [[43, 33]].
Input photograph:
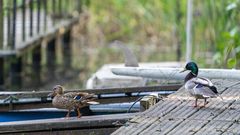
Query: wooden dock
[[175, 115], [86, 125], [41, 100], [32, 28]]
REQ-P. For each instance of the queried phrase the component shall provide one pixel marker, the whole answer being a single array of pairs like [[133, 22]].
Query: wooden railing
[[24, 25], [21, 20]]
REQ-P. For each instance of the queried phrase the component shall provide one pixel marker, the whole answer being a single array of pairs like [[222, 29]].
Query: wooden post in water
[[1, 43], [36, 65], [51, 57], [1, 73], [9, 22], [13, 41], [1, 24], [15, 72], [23, 20], [147, 101], [67, 50]]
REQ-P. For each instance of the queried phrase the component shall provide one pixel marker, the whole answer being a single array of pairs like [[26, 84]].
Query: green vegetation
[[156, 29]]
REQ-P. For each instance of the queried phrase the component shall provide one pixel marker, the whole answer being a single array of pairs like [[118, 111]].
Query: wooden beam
[[15, 72], [2, 73], [51, 58], [66, 45], [36, 66], [48, 104], [71, 124], [1, 24], [92, 131], [49, 35], [39, 94]]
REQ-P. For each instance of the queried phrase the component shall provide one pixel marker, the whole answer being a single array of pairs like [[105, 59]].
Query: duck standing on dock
[[198, 87], [71, 100]]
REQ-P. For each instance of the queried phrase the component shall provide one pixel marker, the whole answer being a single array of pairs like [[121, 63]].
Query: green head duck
[[192, 66]]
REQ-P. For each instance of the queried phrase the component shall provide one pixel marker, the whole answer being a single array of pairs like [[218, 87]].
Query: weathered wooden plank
[[167, 108], [43, 93], [162, 126], [214, 128], [233, 129], [187, 127], [140, 126], [183, 111], [212, 110], [128, 125], [61, 124], [92, 131], [48, 104], [175, 115], [199, 119], [231, 112]]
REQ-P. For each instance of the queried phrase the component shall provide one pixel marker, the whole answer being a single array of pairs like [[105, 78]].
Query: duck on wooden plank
[[71, 100], [198, 87]]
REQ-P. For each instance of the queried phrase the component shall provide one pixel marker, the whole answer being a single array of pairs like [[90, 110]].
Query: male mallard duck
[[198, 87], [71, 100]]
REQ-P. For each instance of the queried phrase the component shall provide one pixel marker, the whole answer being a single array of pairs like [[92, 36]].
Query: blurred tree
[[159, 26]]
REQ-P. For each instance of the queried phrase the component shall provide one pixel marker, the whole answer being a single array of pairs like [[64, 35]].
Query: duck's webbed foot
[[205, 102], [68, 114], [195, 103]]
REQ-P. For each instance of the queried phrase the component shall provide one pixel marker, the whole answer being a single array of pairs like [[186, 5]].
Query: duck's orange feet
[[79, 116]]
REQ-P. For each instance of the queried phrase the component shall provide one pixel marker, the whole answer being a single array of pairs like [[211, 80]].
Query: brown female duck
[[71, 100]]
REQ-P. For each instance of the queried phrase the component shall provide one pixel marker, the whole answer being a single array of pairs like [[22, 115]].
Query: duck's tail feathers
[[214, 89], [93, 102]]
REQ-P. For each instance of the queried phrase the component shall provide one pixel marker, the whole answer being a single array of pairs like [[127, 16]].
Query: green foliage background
[[159, 25]]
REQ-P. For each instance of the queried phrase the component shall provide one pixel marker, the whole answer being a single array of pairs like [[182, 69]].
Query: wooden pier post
[[36, 65], [67, 58], [146, 102], [15, 72], [1, 24], [1, 73], [51, 57], [1, 44]]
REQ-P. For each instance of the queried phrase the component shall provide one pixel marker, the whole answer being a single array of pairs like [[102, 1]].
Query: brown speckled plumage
[[69, 100]]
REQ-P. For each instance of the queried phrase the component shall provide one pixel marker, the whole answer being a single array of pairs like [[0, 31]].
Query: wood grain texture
[[175, 115]]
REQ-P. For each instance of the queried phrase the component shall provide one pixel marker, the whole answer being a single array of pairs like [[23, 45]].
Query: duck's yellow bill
[[183, 70]]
